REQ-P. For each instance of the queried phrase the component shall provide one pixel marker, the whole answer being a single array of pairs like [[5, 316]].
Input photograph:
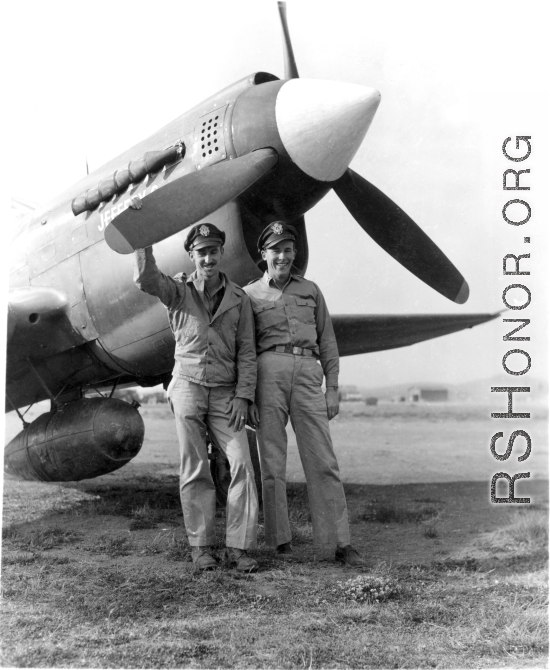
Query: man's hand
[[238, 411], [333, 404], [254, 415]]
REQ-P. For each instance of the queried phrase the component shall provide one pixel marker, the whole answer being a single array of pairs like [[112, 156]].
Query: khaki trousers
[[197, 408], [291, 385]]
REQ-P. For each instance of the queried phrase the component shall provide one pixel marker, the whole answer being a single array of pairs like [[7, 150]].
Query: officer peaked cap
[[275, 232], [204, 235]]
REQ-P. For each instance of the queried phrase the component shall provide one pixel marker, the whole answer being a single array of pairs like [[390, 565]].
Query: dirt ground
[[429, 458], [98, 574], [464, 517]]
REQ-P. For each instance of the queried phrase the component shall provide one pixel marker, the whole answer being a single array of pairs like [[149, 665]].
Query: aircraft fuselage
[[109, 329]]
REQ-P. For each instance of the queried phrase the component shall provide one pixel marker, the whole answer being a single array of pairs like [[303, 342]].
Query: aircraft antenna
[[87, 168]]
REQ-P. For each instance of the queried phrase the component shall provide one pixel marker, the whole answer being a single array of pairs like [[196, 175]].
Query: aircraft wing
[[361, 334]]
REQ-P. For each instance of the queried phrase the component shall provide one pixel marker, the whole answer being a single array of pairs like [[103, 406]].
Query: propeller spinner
[[320, 125], [342, 117]]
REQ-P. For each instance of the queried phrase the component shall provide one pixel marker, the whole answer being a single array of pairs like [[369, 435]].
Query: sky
[[88, 80]]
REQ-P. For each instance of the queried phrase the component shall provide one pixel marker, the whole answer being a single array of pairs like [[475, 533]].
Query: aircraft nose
[[322, 123]]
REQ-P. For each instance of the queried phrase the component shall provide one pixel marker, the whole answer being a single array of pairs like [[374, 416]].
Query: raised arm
[[148, 278]]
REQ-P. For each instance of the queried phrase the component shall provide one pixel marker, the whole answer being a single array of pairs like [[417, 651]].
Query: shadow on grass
[[146, 499]]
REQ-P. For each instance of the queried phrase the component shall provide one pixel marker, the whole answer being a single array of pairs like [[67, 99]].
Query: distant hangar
[[428, 394]]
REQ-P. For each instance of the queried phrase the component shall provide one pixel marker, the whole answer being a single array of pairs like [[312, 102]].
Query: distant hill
[[477, 391]]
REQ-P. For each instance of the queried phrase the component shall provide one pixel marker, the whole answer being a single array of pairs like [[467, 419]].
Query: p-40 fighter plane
[[261, 149]]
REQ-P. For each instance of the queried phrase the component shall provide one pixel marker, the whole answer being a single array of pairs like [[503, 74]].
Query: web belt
[[289, 349]]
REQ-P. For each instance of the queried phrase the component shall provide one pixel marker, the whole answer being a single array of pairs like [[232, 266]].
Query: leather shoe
[[240, 559], [349, 556], [284, 551], [203, 559]]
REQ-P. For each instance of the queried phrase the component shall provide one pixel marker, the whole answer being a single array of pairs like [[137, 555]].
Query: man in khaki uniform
[[213, 382], [295, 344]]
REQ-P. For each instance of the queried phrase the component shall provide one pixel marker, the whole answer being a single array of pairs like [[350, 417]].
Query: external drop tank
[[79, 440]]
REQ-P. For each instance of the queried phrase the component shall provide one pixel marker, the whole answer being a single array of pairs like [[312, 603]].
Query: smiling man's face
[[279, 259], [207, 259]]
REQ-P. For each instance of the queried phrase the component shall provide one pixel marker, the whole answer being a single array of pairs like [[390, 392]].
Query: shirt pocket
[[265, 315], [262, 306], [305, 310]]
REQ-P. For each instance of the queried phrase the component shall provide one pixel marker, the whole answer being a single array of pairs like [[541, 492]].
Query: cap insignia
[[277, 228], [204, 231]]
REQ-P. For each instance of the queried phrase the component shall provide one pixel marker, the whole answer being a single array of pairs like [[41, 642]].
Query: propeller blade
[[184, 201], [394, 230], [291, 71]]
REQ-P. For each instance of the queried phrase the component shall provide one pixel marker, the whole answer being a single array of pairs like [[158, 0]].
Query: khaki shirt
[[296, 315], [211, 350]]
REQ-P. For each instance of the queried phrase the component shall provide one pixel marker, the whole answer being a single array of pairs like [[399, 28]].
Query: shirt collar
[[199, 283], [269, 280]]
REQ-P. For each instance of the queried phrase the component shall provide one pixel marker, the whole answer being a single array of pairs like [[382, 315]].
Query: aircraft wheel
[[221, 475]]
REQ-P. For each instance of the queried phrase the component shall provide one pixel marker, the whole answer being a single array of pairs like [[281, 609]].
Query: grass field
[[97, 573]]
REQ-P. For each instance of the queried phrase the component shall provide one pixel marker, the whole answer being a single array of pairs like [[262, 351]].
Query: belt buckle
[[297, 351]]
